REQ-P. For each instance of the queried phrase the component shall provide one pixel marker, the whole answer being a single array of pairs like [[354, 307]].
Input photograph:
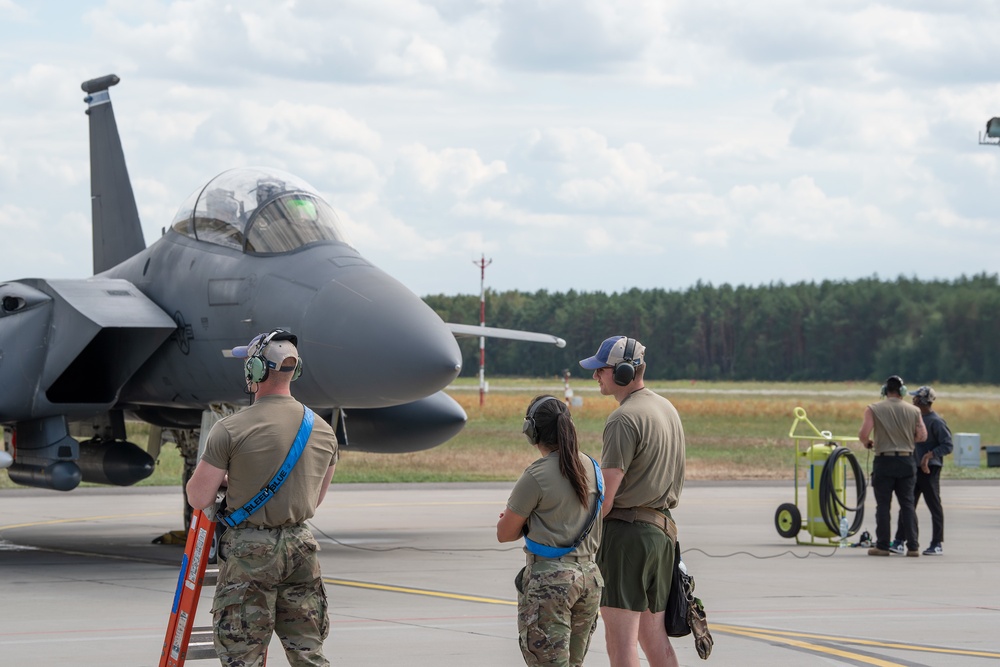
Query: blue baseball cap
[[924, 395], [611, 352]]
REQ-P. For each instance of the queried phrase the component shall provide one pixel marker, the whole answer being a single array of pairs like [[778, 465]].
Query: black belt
[[894, 454]]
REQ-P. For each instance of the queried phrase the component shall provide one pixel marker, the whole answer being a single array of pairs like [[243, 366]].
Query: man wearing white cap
[[643, 464], [269, 574]]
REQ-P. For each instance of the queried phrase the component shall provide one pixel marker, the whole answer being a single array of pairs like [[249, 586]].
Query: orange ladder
[[183, 641], [192, 577]]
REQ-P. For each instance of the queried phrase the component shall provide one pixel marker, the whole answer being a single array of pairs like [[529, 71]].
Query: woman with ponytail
[[556, 506]]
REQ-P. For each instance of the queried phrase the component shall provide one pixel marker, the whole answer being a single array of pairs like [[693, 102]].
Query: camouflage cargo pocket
[[228, 609]]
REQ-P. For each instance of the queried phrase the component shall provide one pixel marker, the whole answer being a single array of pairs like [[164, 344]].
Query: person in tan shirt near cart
[[891, 427]]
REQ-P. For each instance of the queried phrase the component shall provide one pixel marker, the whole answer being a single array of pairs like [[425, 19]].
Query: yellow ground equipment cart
[[826, 487]]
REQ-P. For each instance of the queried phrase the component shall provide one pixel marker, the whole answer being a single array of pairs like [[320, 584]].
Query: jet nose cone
[[371, 342]]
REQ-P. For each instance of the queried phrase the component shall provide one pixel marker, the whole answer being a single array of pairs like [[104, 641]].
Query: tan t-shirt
[[895, 425], [645, 439], [252, 444], [555, 515]]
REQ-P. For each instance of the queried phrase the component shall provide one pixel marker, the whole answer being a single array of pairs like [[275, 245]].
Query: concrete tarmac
[[415, 577]]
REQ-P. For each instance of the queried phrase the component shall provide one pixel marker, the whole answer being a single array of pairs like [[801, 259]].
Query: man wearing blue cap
[[643, 464], [269, 574]]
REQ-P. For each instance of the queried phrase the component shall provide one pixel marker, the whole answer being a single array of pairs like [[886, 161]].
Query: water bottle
[[843, 531]]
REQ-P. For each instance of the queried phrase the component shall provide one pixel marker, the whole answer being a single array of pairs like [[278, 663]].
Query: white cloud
[[802, 211], [575, 35], [417, 57], [950, 220], [456, 170], [11, 11], [540, 131]]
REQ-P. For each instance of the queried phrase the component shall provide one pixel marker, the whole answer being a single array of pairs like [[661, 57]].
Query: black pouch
[[675, 618], [685, 613], [518, 580]]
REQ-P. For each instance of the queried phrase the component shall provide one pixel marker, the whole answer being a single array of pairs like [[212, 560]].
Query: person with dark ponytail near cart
[[556, 506]]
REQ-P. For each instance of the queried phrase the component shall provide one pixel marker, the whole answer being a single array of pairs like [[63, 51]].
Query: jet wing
[[69, 345], [473, 330]]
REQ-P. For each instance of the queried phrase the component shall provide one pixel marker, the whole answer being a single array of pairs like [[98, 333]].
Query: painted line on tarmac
[[893, 645], [417, 591], [774, 637], [450, 503], [81, 519], [789, 637]]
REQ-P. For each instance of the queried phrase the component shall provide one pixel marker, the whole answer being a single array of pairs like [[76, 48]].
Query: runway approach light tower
[[482, 264], [992, 136]]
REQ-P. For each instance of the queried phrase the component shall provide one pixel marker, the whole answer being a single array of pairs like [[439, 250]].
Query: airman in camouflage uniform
[[558, 596], [557, 612], [269, 574], [264, 570]]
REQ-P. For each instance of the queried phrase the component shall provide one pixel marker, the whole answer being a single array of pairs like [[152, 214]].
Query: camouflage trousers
[[557, 612], [270, 581]]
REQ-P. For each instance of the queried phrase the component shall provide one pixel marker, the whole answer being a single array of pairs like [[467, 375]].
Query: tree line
[[929, 331]]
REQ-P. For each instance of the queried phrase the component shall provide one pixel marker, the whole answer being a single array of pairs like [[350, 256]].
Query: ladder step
[[201, 652], [182, 640], [202, 644], [211, 576]]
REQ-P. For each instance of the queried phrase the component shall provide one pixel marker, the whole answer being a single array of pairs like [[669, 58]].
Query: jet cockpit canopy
[[259, 211]]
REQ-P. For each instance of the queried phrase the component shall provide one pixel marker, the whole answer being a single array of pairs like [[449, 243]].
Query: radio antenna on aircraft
[[482, 264]]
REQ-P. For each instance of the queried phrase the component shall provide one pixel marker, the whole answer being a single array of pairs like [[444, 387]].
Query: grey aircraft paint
[[148, 336]]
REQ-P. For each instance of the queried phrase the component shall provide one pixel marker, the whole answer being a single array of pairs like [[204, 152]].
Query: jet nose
[[368, 341]]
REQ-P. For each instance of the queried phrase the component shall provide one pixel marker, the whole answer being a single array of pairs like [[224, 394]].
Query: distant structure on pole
[[482, 264], [992, 136]]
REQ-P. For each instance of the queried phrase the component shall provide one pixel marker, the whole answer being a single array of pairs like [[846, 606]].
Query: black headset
[[257, 368], [891, 378], [529, 429], [624, 371]]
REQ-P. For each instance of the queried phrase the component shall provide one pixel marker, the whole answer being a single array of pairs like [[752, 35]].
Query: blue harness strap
[[241, 514], [545, 551]]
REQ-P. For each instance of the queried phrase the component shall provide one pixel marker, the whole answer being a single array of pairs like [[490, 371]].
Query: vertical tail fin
[[117, 232]]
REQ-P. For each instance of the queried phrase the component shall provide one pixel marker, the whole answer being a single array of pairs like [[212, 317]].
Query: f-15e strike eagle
[[146, 337]]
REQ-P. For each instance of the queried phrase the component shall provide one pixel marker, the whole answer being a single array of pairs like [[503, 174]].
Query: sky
[[593, 145]]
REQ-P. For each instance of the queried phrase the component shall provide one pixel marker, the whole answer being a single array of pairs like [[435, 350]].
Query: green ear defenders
[[257, 367], [624, 371], [893, 379], [529, 429]]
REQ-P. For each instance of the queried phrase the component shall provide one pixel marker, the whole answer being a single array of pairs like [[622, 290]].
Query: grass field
[[734, 431]]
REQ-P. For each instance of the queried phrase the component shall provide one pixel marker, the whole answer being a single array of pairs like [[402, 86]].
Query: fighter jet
[[147, 336]]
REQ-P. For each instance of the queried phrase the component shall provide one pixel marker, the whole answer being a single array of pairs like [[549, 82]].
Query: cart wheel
[[788, 520]]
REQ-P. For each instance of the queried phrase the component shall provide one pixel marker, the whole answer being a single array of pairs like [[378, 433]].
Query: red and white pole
[[482, 264]]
